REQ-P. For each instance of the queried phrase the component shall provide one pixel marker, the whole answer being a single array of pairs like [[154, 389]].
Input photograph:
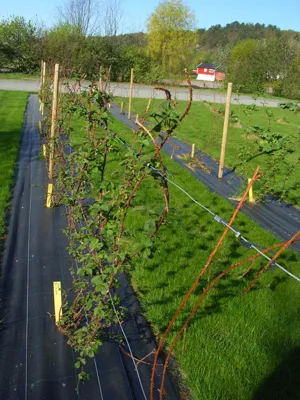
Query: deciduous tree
[[171, 35]]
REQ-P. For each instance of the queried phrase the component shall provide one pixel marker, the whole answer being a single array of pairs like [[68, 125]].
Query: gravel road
[[144, 91]]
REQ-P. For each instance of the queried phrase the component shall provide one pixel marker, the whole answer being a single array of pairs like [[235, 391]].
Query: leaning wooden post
[[130, 94], [148, 105], [54, 118], [225, 131]]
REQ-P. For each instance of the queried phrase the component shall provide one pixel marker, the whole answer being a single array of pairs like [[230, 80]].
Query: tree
[[18, 41], [92, 17], [171, 35], [83, 14], [66, 45], [291, 83], [113, 18], [248, 66]]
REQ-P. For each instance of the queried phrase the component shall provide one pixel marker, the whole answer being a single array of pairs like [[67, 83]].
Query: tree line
[[254, 56]]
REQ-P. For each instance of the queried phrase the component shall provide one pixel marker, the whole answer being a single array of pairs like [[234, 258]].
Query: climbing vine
[[97, 181]]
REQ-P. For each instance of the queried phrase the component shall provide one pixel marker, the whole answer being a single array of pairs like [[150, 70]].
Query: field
[[12, 107], [204, 128], [236, 346]]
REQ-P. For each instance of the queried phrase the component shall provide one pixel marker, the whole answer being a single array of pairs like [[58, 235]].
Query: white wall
[[204, 77]]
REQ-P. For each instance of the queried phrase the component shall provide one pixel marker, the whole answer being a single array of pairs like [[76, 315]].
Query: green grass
[[18, 75], [12, 107], [235, 345], [204, 127]]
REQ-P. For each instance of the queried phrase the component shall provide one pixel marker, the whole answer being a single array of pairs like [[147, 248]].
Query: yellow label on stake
[[251, 195], [49, 195], [44, 151], [57, 301]]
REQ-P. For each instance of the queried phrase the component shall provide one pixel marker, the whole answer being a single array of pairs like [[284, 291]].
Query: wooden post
[[41, 79], [57, 301], [122, 107], [193, 151], [130, 94], [251, 195], [100, 78], [44, 74], [49, 195], [148, 105], [225, 131], [43, 84], [54, 118]]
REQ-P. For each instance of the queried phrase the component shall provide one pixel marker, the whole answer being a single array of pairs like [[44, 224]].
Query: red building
[[206, 72]]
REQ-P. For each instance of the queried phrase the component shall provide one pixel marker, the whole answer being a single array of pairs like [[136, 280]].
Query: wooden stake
[[121, 108], [100, 78], [54, 118], [44, 74], [43, 84], [130, 94], [44, 151], [148, 105], [41, 79], [57, 301], [225, 131], [193, 151], [49, 195], [251, 195]]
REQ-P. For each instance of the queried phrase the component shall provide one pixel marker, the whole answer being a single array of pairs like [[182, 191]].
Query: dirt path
[[35, 360], [146, 91]]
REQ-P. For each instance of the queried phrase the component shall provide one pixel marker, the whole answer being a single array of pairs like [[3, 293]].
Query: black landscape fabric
[[36, 363]]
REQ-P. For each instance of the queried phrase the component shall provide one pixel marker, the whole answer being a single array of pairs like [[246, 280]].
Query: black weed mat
[[36, 363], [279, 218]]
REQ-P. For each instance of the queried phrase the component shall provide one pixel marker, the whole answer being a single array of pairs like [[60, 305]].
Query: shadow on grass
[[283, 383]]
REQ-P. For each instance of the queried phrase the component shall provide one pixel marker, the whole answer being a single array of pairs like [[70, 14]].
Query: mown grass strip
[[12, 108]]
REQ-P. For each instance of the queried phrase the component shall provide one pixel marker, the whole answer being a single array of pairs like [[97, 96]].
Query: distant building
[[207, 72]]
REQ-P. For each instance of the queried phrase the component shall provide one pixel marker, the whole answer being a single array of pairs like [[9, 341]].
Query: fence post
[[100, 78], [225, 131], [193, 151], [54, 118], [41, 78], [130, 94], [43, 66]]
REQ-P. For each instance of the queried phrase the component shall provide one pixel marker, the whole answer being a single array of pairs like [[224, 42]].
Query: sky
[[284, 14]]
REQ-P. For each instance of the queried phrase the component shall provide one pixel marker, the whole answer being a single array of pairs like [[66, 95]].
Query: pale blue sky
[[284, 14]]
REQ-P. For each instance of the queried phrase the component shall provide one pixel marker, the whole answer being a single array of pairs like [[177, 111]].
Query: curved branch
[[196, 282], [189, 104], [167, 92]]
